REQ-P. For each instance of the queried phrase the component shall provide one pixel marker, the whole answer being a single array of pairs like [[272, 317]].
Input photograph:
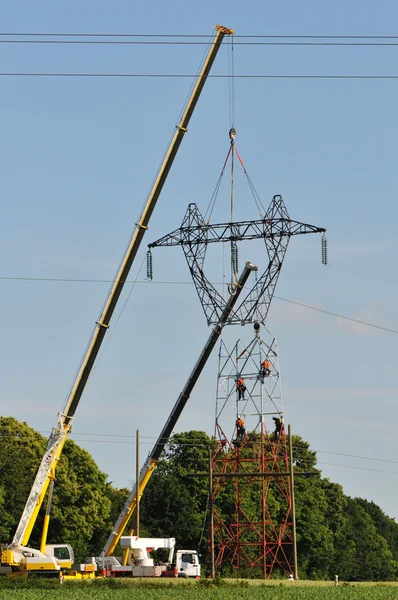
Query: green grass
[[155, 589]]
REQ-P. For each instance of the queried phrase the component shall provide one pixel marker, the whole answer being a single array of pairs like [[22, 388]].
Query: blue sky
[[77, 158]]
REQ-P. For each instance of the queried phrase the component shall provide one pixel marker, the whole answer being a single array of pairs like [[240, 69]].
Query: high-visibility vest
[[240, 383], [266, 364]]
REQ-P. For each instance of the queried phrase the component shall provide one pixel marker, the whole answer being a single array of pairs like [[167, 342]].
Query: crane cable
[[231, 82], [232, 286], [232, 148]]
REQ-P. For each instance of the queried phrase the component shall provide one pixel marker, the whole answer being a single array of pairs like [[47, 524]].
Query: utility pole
[[137, 479], [212, 566], [295, 568]]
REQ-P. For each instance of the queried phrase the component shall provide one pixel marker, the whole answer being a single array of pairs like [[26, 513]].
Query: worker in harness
[[241, 387], [279, 427], [240, 428], [265, 370]]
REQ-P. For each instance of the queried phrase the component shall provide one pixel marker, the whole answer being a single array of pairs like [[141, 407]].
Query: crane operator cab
[[24, 559]]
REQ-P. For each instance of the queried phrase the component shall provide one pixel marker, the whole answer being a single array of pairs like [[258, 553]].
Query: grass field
[[193, 590]]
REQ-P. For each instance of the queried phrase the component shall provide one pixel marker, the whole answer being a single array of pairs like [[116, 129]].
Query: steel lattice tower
[[251, 500], [252, 508]]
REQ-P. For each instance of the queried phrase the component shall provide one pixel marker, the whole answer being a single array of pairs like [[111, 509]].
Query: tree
[[175, 505], [335, 533], [315, 541], [385, 526], [82, 500], [361, 552], [21, 450]]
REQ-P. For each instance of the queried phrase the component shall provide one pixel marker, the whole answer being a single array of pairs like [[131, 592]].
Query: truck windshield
[[188, 558], [62, 553]]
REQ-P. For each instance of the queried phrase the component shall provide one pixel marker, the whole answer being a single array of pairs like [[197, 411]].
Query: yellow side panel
[[7, 557], [37, 566], [76, 575]]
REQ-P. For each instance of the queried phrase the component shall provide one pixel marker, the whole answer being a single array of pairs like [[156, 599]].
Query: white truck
[[138, 562]]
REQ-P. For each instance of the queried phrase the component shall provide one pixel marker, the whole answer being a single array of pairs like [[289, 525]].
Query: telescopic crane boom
[[62, 427], [182, 399]]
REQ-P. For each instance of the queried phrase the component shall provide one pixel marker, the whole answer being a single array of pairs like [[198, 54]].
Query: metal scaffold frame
[[252, 469]]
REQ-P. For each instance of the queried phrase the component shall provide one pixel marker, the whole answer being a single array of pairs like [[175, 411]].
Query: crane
[[153, 458], [17, 554]]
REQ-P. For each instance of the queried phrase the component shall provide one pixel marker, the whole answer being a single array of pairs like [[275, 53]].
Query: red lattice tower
[[252, 507]]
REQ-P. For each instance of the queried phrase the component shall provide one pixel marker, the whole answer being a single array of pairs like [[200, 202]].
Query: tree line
[[336, 534]]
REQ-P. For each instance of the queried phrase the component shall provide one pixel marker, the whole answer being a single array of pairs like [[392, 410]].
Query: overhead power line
[[358, 468], [328, 312], [192, 76], [196, 43], [198, 36], [131, 440], [308, 306]]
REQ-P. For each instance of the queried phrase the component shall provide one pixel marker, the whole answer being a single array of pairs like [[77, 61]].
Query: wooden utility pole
[[295, 568], [212, 566], [137, 483]]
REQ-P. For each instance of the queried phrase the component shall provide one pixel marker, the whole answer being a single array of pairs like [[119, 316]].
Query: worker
[[240, 428], [240, 386], [279, 427], [265, 370]]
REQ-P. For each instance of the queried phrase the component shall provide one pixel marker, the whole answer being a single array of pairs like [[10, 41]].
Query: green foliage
[[363, 553], [335, 534], [385, 526], [175, 503], [21, 450], [82, 503]]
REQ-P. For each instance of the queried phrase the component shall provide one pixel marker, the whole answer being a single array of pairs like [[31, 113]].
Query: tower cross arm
[[298, 228], [236, 231]]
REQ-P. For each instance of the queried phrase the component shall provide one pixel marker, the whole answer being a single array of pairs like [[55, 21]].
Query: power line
[[328, 312], [386, 460], [132, 438], [188, 76], [192, 445], [359, 468], [195, 43], [198, 36], [302, 304]]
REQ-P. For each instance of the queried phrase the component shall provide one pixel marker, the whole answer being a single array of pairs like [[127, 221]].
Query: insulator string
[[149, 265], [234, 259], [324, 243]]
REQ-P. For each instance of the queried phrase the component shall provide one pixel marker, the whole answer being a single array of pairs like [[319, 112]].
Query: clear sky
[[77, 158]]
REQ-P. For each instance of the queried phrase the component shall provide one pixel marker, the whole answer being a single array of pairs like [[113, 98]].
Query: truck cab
[[63, 553], [187, 562]]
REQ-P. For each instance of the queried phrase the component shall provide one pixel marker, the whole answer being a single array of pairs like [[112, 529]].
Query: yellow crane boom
[[153, 458], [62, 428]]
